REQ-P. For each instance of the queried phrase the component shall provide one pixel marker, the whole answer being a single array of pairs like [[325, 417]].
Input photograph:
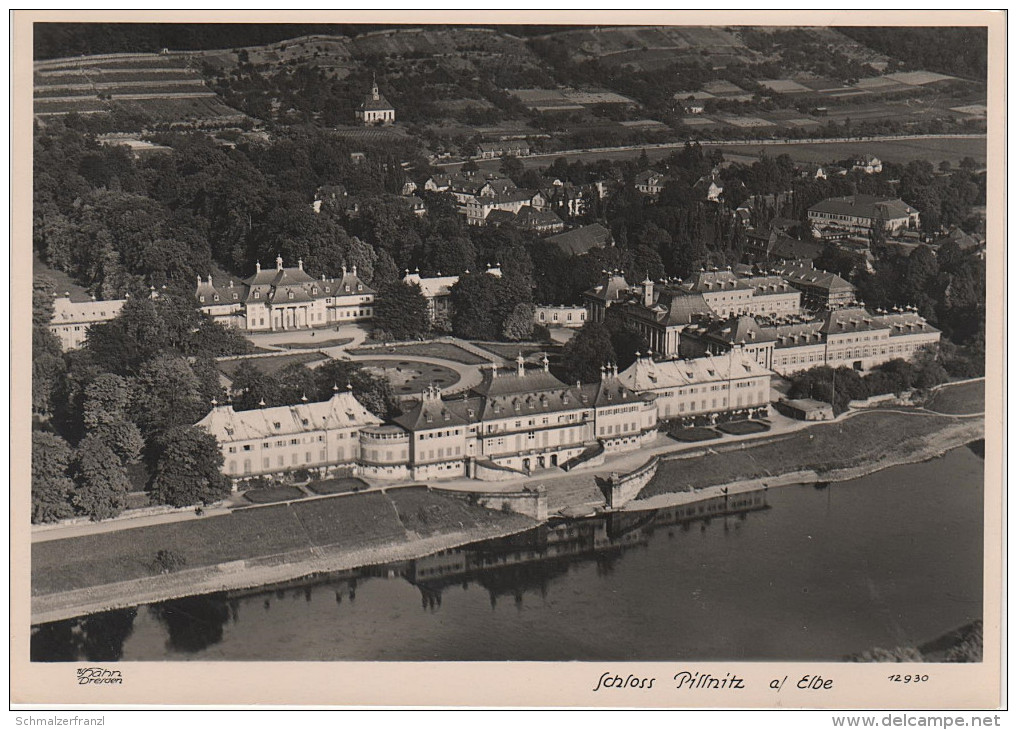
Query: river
[[807, 572]]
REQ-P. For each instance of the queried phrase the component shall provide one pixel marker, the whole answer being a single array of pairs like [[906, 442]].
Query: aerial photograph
[[503, 343]]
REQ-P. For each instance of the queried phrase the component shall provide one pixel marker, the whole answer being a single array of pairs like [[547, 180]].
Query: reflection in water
[[801, 572], [508, 569], [193, 623], [96, 638]]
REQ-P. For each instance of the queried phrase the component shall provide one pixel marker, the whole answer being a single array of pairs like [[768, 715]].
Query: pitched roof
[[703, 282], [431, 286], [580, 240], [612, 286], [800, 274], [647, 375], [864, 206], [342, 410]]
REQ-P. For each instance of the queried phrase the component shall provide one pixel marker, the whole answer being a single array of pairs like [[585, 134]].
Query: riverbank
[[254, 547], [851, 447]]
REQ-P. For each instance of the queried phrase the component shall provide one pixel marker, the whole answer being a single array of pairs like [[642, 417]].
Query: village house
[[507, 148], [286, 298], [862, 213], [869, 164], [71, 320], [375, 109], [528, 218], [709, 187], [650, 182], [512, 201], [702, 390]]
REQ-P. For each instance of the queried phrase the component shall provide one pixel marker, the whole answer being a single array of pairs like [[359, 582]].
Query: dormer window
[[430, 418], [215, 297], [314, 290], [277, 425], [347, 287], [360, 287], [235, 296], [202, 299], [289, 295], [257, 295]]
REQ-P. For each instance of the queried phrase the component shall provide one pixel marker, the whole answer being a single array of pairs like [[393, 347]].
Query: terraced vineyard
[[163, 88]]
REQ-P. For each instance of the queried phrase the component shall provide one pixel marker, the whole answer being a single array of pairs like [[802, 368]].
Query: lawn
[[268, 495], [335, 342], [741, 428], [821, 448], [693, 434], [270, 365], [341, 485], [350, 522], [442, 350], [511, 350], [962, 399]]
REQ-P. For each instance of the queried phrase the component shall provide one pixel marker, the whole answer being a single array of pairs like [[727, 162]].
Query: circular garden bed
[[409, 377]]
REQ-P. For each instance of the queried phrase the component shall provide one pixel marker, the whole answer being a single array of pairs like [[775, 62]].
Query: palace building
[[702, 389], [323, 436], [851, 337], [71, 320], [511, 424], [286, 299]]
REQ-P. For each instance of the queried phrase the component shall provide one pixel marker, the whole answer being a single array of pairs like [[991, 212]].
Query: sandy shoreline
[[267, 570]]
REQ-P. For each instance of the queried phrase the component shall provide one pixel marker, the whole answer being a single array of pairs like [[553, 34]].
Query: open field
[[351, 522], [962, 399], [934, 149]]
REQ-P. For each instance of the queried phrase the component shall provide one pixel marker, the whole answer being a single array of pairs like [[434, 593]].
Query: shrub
[[169, 561]]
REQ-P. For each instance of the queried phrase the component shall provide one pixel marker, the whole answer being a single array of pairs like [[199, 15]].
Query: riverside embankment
[[264, 545]]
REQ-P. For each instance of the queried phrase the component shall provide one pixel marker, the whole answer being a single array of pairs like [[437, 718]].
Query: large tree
[[400, 311], [187, 469], [101, 483], [51, 486], [588, 350]]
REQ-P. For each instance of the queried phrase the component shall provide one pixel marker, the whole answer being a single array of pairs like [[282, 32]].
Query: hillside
[[152, 89], [573, 87]]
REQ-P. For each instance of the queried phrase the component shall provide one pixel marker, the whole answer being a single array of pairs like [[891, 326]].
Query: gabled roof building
[[286, 298]]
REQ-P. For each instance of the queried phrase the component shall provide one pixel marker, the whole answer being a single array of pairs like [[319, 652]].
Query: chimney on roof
[[545, 362], [199, 279], [257, 267], [520, 365], [354, 270], [300, 264]]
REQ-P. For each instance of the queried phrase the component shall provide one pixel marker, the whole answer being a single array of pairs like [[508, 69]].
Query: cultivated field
[[164, 89]]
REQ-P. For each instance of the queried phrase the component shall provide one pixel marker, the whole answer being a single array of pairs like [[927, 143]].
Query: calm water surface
[[800, 572]]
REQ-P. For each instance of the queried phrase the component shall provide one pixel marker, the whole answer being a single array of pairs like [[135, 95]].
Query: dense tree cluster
[[841, 385]]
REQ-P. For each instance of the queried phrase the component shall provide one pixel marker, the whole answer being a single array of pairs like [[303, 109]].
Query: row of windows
[[437, 434]]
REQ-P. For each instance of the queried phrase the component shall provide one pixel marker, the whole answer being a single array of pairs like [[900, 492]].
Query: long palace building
[[509, 425], [286, 299]]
